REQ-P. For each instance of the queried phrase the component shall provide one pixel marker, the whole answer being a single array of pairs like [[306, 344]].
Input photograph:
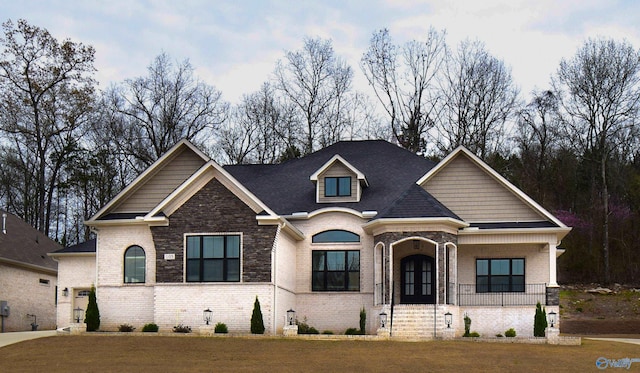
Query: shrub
[[467, 325], [257, 325], [304, 328], [510, 333], [181, 329], [221, 328], [474, 334], [499, 335], [151, 327], [92, 316], [539, 321], [327, 332], [352, 331], [126, 328], [363, 320]]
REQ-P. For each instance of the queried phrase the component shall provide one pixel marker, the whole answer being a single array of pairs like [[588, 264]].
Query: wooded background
[[66, 148]]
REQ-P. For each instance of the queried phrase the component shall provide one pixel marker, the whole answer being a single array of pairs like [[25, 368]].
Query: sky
[[234, 45]]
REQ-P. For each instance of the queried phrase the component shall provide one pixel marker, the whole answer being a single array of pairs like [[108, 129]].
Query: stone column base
[[553, 335], [448, 334], [384, 333], [207, 330], [290, 330], [78, 328]]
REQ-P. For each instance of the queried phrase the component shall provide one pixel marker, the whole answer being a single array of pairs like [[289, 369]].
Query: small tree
[[467, 325], [92, 316], [539, 321], [257, 325], [363, 320]]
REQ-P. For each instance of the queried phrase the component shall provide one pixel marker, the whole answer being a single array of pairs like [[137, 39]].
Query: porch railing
[[532, 294]]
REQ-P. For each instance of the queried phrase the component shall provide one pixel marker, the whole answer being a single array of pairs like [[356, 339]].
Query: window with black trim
[[134, 265], [337, 186], [335, 235], [499, 275], [335, 270], [213, 258]]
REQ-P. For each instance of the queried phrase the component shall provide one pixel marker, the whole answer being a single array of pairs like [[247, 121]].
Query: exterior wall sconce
[[552, 318], [291, 317], [207, 315], [77, 314], [65, 292], [448, 319], [383, 319]]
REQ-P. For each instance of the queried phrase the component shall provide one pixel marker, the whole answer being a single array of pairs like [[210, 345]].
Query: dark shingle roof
[[84, 247], [286, 188], [24, 244], [415, 202]]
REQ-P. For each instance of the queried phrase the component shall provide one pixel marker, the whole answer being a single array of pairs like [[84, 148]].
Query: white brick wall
[[131, 304], [28, 297], [489, 321], [112, 243], [74, 272], [336, 311]]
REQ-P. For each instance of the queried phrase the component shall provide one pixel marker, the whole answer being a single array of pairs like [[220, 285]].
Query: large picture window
[[499, 275], [134, 265], [336, 270], [337, 186], [214, 258]]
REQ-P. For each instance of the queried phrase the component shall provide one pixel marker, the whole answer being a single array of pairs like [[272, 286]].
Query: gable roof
[[337, 158], [416, 202], [87, 247], [22, 245], [286, 188]]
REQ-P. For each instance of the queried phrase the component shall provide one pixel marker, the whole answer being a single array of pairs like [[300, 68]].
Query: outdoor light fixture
[[552, 318], [77, 314], [206, 315], [65, 292], [291, 316], [448, 319], [383, 319]]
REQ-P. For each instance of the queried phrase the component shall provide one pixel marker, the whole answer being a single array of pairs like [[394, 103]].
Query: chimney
[[4, 223]]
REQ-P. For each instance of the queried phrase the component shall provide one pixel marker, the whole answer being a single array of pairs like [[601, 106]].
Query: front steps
[[417, 322]]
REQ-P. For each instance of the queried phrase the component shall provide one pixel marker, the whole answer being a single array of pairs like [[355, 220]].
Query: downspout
[[4, 223]]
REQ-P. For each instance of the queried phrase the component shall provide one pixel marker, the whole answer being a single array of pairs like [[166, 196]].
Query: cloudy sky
[[234, 45]]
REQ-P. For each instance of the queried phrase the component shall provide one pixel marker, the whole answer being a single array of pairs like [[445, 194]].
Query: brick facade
[[214, 209]]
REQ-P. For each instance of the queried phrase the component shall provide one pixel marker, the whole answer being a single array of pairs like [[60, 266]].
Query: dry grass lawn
[[89, 353]]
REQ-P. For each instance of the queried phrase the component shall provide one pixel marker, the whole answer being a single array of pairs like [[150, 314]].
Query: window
[[336, 235], [335, 270], [337, 186], [499, 275], [44, 281], [134, 265], [213, 258]]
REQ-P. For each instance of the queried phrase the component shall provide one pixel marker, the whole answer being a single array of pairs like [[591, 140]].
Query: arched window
[[134, 265], [336, 235]]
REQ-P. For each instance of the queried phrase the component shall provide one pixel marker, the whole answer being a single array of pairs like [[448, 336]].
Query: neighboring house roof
[[287, 188], [81, 248], [22, 245]]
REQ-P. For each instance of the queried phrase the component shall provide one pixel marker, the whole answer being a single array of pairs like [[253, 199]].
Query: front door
[[418, 280]]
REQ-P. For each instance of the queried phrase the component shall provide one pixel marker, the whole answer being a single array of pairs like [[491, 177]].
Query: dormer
[[338, 181]]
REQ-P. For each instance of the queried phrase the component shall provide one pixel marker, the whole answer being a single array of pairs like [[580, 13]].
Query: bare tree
[[46, 98], [599, 89], [404, 81], [316, 82], [479, 98], [167, 105]]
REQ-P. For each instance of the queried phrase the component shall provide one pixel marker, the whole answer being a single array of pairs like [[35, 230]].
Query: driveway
[[623, 340], [15, 337]]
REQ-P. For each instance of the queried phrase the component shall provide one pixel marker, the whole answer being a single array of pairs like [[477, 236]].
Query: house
[[362, 224], [28, 277]]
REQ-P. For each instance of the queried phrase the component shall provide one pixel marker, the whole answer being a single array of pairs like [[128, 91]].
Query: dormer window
[[337, 186]]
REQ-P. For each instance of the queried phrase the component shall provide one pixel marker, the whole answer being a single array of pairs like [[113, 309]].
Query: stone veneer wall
[[214, 209], [553, 296], [440, 237]]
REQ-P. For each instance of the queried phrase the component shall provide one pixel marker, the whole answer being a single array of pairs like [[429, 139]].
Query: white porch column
[[553, 281]]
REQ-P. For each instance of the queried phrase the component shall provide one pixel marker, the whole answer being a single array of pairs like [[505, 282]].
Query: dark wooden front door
[[418, 280]]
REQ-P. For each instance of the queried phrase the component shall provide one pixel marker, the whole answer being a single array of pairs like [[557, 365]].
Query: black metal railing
[[468, 295]]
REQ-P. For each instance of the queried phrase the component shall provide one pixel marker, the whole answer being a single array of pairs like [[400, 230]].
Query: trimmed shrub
[[467, 325], [510, 333], [126, 328], [181, 329], [363, 320], [352, 331], [499, 335], [221, 328], [474, 334], [257, 325], [327, 332], [150, 328], [539, 321], [304, 328], [92, 316]]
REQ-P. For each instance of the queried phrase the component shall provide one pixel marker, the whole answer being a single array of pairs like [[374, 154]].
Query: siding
[[476, 196], [338, 169], [161, 184]]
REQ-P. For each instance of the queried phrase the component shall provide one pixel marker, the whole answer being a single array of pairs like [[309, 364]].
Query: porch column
[[552, 265]]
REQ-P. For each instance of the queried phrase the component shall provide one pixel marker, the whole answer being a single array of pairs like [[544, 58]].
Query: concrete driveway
[[15, 337], [623, 340]]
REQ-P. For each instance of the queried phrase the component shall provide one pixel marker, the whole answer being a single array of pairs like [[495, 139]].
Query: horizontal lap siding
[[162, 183], [476, 196]]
